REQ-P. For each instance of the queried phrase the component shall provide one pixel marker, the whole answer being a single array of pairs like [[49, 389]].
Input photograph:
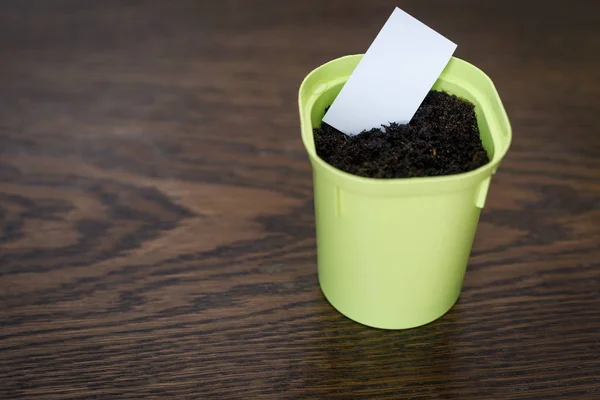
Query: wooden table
[[156, 220]]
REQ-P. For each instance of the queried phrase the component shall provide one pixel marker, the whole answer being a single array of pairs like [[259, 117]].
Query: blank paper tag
[[393, 77]]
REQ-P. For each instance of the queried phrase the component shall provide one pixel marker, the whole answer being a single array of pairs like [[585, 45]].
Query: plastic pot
[[392, 253]]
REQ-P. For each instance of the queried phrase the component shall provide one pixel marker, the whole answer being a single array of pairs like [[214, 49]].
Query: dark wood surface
[[156, 220]]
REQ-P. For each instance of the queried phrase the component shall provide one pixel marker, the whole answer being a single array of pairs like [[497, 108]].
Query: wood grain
[[156, 220]]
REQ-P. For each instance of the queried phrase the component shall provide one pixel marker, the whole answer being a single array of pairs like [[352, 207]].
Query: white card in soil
[[393, 77]]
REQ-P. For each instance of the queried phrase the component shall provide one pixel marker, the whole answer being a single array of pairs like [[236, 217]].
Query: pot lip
[[466, 178]]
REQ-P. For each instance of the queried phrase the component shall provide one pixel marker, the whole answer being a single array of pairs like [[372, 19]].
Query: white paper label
[[393, 77]]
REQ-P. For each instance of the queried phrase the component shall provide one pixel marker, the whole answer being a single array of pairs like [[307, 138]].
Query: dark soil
[[441, 139]]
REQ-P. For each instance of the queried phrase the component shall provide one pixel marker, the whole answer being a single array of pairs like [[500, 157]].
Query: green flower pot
[[392, 253]]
